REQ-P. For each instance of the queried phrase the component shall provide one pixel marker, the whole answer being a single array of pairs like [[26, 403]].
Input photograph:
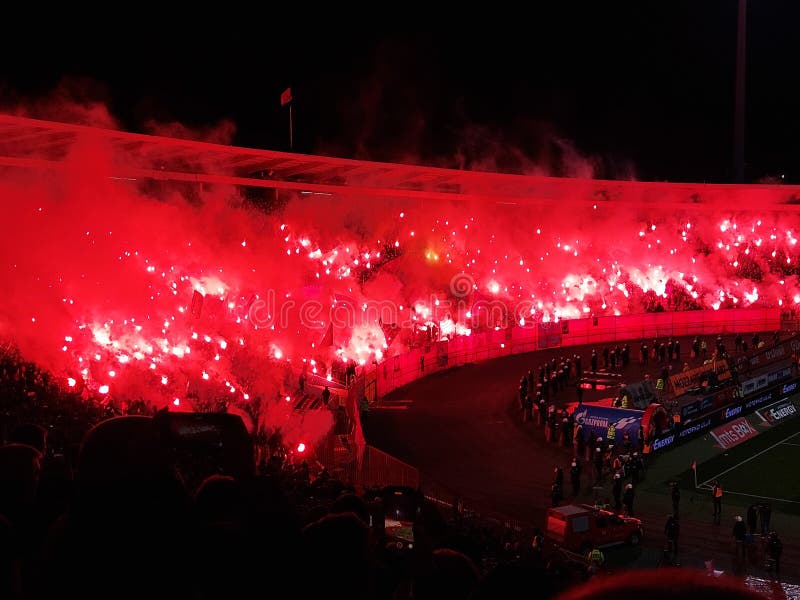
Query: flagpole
[[286, 98]]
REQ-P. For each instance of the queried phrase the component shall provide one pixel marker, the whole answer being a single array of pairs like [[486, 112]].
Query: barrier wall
[[747, 405], [400, 370]]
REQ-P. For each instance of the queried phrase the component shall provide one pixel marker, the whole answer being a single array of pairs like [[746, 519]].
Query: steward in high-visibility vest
[[660, 384], [611, 433], [596, 557], [716, 494], [625, 401]]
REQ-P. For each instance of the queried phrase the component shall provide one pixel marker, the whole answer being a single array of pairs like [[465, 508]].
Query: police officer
[[676, 498], [556, 495], [633, 467], [626, 442], [774, 551], [627, 499], [616, 491], [672, 530], [598, 463], [575, 477], [578, 441], [558, 476]]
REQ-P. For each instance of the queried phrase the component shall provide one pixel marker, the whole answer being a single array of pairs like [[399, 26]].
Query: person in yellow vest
[[626, 403], [596, 560], [611, 433]]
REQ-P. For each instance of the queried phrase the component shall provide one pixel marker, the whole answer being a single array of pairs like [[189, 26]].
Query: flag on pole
[[327, 339], [286, 96], [197, 304], [694, 465], [390, 331]]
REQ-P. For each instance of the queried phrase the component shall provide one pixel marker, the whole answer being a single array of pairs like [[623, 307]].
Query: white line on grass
[[747, 460], [762, 497]]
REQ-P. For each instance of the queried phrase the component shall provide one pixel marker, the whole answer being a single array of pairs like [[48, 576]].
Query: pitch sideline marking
[[747, 460], [763, 497]]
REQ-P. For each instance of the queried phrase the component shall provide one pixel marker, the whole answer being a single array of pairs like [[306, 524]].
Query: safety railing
[[396, 371]]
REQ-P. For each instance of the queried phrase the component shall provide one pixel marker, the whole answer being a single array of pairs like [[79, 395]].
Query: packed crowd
[[94, 502]]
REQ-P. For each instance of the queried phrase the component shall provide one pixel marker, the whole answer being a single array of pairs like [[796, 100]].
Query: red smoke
[[165, 291]]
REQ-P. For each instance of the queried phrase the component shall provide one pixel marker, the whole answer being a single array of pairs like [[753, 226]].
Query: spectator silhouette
[[31, 434], [350, 503], [246, 534], [11, 585], [338, 547], [126, 534], [20, 533], [19, 477], [219, 499], [450, 575]]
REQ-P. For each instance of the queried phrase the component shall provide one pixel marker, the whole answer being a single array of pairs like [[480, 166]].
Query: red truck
[[580, 527]]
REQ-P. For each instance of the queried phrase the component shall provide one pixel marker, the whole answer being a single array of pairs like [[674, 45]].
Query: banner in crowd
[[641, 393], [597, 419], [754, 384], [763, 357], [549, 334], [693, 406], [683, 382]]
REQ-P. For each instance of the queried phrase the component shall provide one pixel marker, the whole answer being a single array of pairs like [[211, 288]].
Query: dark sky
[[642, 89]]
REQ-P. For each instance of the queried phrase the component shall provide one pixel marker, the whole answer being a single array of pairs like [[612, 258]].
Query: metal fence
[[364, 465]]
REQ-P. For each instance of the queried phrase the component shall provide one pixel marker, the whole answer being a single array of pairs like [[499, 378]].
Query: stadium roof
[[36, 144]]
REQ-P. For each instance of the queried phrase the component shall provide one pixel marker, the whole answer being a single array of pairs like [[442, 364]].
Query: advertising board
[[734, 433]]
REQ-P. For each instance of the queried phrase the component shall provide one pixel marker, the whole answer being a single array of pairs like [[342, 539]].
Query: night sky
[[643, 90]]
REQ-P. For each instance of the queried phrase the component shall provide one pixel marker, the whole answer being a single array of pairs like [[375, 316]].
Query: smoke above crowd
[[183, 294]]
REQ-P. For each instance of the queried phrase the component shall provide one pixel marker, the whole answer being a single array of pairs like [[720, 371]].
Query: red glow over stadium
[[178, 271]]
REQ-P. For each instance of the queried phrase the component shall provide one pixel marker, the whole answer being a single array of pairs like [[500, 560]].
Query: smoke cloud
[[174, 292]]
